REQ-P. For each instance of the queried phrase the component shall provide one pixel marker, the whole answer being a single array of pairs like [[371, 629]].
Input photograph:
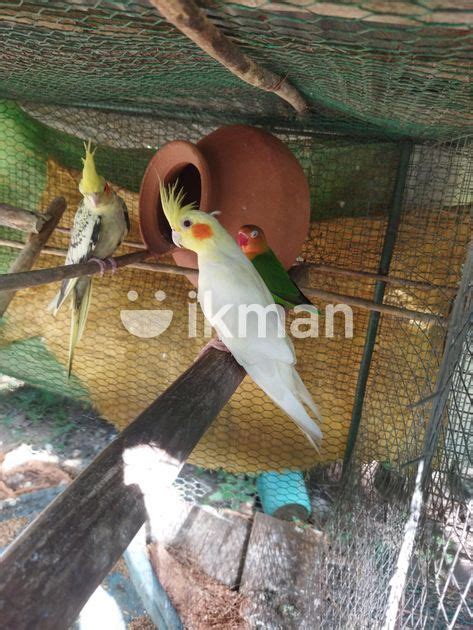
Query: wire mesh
[[118, 73]]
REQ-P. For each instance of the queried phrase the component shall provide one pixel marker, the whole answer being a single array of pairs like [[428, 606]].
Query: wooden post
[[50, 571], [20, 219], [32, 249]]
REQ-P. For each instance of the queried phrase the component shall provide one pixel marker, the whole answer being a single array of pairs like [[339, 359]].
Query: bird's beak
[[242, 239], [176, 238], [94, 198]]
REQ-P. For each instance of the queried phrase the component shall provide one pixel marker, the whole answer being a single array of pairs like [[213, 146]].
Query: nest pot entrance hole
[[189, 179]]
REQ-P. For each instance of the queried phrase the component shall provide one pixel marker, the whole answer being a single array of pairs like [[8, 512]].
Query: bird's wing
[[85, 234], [278, 281], [239, 284], [123, 205]]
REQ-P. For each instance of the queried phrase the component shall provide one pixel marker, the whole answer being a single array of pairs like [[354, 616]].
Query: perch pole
[[53, 274], [32, 249], [188, 18], [54, 566], [45, 276]]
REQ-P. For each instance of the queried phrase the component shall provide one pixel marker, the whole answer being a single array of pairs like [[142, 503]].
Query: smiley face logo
[[146, 323]]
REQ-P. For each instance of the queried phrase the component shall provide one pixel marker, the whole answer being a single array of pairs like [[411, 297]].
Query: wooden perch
[[32, 249], [369, 305], [54, 566], [299, 274], [45, 276], [20, 219], [54, 274], [187, 17]]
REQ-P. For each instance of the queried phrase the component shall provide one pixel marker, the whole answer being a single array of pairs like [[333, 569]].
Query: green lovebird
[[285, 292]]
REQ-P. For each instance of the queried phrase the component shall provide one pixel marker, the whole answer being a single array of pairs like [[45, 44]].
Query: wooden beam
[[49, 572], [159, 267], [32, 249], [188, 18], [20, 219]]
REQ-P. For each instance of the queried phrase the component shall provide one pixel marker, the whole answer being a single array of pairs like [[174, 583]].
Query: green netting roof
[[392, 67]]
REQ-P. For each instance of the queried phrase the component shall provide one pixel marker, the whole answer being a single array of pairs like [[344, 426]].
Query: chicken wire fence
[[395, 394], [120, 372]]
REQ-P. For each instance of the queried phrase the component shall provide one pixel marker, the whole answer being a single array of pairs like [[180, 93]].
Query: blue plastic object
[[284, 494]]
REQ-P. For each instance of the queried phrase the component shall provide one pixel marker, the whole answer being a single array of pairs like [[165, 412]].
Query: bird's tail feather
[[305, 396], [61, 295], [284, 386], [80, 308]]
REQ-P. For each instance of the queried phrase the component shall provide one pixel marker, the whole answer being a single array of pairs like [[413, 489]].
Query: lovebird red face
[[251, 240]]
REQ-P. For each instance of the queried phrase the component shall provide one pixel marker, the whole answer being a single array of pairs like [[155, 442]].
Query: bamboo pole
[[53, 567], [45, 276], [32, 249], [20, 219], [188, 18]]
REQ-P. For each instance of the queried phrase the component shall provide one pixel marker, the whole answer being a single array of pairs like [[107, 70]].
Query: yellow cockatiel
[[227, 281], [100, 225]]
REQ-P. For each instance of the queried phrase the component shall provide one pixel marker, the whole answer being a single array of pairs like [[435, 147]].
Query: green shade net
[[371, 67]]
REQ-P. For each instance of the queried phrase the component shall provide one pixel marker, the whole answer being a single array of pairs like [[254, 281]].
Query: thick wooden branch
[[186, 16], [20, 219], [50, 571], [32, 249]]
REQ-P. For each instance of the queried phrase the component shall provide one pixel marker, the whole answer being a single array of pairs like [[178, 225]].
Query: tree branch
[[20, 219], [188, 18], [32, 249]]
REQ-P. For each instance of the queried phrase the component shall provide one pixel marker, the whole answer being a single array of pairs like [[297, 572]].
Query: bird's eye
[[186, 223], [254, 233]]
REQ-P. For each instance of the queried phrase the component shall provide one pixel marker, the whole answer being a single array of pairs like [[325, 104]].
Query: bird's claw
[[216, 343], [113, 264], [101, 263]]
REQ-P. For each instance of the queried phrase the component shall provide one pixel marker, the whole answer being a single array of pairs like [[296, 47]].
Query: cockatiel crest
[[191, 228], [91, 182]]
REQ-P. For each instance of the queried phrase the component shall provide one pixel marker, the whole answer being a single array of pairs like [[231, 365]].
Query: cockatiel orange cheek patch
[[201, 231]]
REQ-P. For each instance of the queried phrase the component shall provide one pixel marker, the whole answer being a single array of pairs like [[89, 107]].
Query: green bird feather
[[285, 292]]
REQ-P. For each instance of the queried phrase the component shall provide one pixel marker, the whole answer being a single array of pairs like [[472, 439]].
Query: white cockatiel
[[227, 281], [100, 225]]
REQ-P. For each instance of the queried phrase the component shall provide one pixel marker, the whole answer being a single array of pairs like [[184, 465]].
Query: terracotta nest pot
[[247, 174]]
